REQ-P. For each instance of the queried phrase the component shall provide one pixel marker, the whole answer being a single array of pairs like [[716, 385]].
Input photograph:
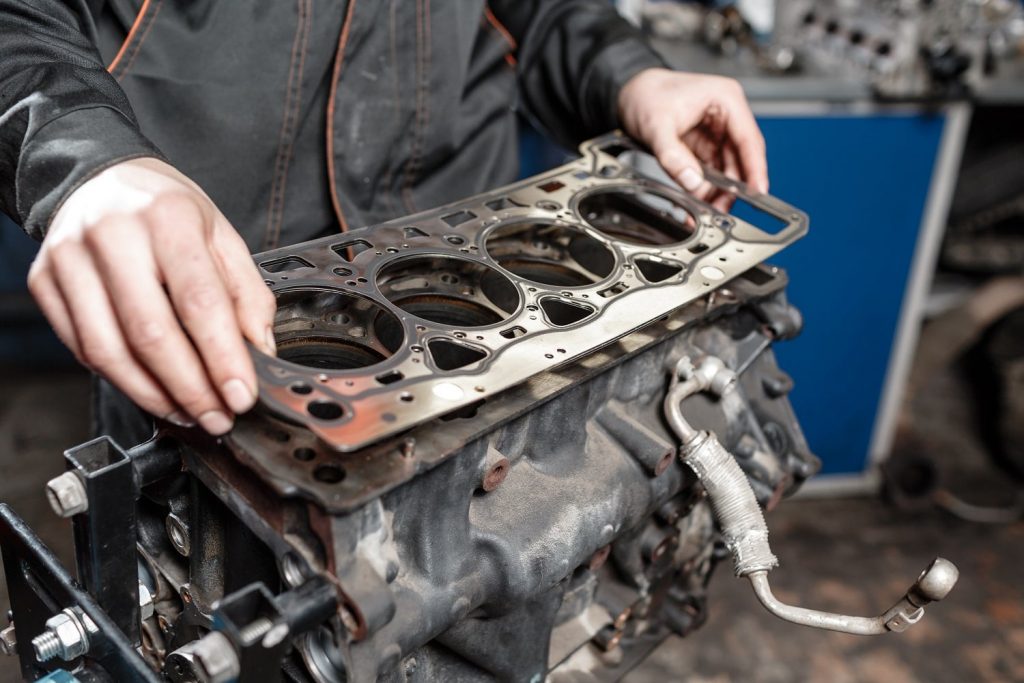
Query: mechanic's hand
[[133, 250], [686, 117]]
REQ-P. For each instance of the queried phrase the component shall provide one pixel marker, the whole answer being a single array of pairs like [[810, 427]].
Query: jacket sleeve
[[573, 57], [63, 118]]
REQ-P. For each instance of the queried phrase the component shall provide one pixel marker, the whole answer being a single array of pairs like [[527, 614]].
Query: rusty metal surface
[[294, 462]]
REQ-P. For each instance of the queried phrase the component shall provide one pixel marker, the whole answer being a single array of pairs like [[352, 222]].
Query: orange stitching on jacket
[[389, 169], [150, 21], [131, 34], [422, 83], [338, 59], [510, 56], [286, 138]]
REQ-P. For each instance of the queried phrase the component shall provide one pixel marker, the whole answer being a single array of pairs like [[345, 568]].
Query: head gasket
[[388, 326]]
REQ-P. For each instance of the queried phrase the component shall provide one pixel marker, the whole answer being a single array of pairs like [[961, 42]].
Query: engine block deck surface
[[392, 325]]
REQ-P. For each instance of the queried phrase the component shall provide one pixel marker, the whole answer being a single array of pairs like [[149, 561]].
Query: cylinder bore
[[449, 290], [333, 330], [550, 254], [637, 217]]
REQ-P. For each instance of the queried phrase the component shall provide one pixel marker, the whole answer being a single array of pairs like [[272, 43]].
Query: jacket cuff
[[68, 151], [609, 72]]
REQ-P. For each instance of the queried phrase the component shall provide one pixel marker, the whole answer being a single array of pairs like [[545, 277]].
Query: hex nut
[[67, 495], [9, 641], [72, 639], [65, 636], [146, 607]]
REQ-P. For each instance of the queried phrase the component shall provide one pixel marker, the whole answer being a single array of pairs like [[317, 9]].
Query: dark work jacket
[[414, 100], [299, 117]]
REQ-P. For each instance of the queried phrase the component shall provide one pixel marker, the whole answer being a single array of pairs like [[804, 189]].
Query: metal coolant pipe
[[742, 522]]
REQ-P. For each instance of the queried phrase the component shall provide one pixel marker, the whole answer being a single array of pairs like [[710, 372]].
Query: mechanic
[[151, 144]]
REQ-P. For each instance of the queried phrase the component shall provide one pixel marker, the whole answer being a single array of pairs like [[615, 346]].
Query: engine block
[[460, 468]]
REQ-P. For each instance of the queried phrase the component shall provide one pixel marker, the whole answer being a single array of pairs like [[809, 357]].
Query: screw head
[[211, 659], [67, 495]]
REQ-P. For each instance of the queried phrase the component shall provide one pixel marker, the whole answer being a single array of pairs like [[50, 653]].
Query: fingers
[[254, 304], [131, 252], [201, 302], [99, 343], [675, 157], [745, 135], [46, 293], [659, 107], [724, 199], [125, 259]]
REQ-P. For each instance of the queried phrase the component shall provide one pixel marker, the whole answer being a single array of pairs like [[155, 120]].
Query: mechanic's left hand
[[684, 117]]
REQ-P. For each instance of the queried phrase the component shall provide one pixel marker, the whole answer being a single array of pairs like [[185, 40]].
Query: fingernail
[[215, 422], [239, 397], [691, 179], [180, 419], [271, 342]]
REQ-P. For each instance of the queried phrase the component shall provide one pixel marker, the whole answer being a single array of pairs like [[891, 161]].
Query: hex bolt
[[46, 645], [178, 532], [67, 495], [211, 659], [66, 636], [8, 641]]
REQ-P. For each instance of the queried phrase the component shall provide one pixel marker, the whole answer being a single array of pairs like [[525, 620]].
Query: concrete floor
[[855, 555]]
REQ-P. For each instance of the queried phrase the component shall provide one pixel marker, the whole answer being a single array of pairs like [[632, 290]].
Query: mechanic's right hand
[[131, 252]]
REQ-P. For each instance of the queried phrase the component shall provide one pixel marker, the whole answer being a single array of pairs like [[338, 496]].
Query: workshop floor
[[854, 555]]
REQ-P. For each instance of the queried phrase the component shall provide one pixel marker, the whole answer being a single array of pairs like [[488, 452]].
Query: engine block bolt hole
[[325, 410], [304, 454], [495, 475], [329, 473]]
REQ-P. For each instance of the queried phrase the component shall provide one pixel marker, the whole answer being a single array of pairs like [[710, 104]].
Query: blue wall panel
[[864, 182]]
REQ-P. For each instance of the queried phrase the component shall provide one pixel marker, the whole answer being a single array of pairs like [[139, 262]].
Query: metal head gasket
[[388, 326]]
